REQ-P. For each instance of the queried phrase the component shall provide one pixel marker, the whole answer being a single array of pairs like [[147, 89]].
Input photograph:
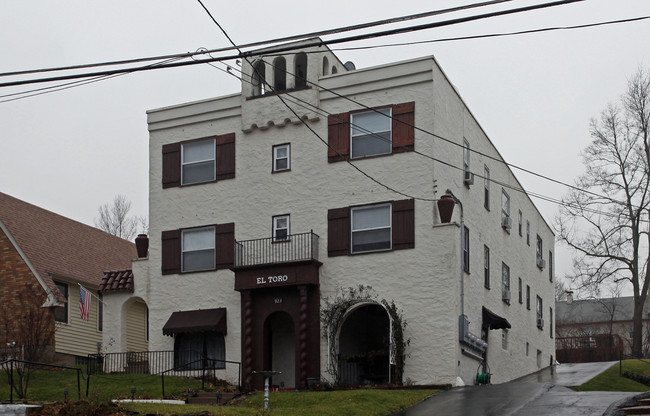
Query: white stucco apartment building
[[315, 178]]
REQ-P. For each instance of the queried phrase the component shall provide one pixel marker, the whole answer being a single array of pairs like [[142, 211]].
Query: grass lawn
[[47, 386], [610, 380], [363, 402]]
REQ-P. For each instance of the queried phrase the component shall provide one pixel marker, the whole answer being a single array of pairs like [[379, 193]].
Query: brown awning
[[494, 321], [201, 320]]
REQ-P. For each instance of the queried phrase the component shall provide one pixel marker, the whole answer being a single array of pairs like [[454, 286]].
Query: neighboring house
[[587, 329], [48, 256], [258, 222]]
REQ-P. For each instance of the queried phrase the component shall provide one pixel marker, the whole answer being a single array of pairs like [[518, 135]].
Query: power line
[[308, 44], [265, 42]]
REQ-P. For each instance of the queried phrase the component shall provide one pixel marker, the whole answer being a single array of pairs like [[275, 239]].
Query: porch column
[[247, 356], [302, 335]]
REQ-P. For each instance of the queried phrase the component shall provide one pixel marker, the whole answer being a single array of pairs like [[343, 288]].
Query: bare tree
[[28, 335], [606, 221], [114, 219], [560, 290]]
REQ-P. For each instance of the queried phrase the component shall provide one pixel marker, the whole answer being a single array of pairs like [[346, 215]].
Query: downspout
[[462, 245]]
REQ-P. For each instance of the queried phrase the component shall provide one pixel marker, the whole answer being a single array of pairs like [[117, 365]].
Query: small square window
[[371, 133], [505, 282], [281, 228], [198, 249], [282, 157], [198, 162], [371, 228]]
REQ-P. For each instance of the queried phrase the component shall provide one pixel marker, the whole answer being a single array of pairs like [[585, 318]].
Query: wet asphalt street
[[542, 393]]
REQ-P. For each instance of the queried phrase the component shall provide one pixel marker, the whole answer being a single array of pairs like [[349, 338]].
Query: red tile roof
[[60, 246], [117, 280]]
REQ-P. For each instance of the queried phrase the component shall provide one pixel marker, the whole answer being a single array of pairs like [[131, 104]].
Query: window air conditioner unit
[[468, 179], [541, 263], [506, 223], [540, 323], [506, 295]]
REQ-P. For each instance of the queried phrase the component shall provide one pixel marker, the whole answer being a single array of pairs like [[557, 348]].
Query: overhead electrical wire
[[267, 42], [207, 51], [307, 44]]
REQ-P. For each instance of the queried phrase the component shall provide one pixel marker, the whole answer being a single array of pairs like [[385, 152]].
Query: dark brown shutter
[[226, 156], [338, 232], [403, 127], [225, 243], [338, 137], [403, 224], [171, 165], [171, 252]]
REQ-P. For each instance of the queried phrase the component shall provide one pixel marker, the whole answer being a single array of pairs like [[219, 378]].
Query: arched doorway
[[364, 346], [280, 348]]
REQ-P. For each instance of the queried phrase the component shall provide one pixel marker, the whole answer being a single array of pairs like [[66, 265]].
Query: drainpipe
[[462, 245]]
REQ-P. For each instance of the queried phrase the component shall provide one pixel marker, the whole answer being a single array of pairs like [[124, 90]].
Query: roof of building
[[57, 246], [117, 280], [594, 310]]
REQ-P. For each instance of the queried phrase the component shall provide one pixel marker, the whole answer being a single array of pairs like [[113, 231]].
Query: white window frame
[[389, 227], [213, 248], [286, 146], [277, 228], [389, 114], [466, 158], [195, 162], [505, 204]]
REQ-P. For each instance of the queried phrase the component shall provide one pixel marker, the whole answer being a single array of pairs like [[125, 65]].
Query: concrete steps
[[210, 397], [637, 410]]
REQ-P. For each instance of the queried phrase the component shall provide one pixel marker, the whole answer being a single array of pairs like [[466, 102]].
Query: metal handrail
[[627, 356], [203, 368], [273, 250], [11, 374]]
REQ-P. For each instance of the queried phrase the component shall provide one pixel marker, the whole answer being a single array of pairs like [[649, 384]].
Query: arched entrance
[[364, 346], [280, 348]]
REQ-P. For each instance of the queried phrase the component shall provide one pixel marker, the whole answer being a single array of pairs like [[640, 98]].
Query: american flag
[[84, 302]]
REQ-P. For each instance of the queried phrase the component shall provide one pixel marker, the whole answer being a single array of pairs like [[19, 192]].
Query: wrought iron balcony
[[275, 250]]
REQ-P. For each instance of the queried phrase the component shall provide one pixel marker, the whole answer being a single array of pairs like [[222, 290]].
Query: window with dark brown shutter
[[225, 245], [171, 174], [403, 127], [402, 133], [201, 166], [226, 156], [338, 232], [171, 252], [224, 249], [403, 224], [338, 137]]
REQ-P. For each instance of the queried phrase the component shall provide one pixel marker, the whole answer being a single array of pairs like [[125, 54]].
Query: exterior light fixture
[[66, 390], [132, 393]]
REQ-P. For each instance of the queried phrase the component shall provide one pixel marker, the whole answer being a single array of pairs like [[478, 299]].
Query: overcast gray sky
[[73, 150]]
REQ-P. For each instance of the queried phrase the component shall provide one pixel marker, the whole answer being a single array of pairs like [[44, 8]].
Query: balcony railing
[[273, 250]]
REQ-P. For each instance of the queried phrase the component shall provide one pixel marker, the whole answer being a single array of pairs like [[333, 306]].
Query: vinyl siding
[[78, 337], [136, 327]]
